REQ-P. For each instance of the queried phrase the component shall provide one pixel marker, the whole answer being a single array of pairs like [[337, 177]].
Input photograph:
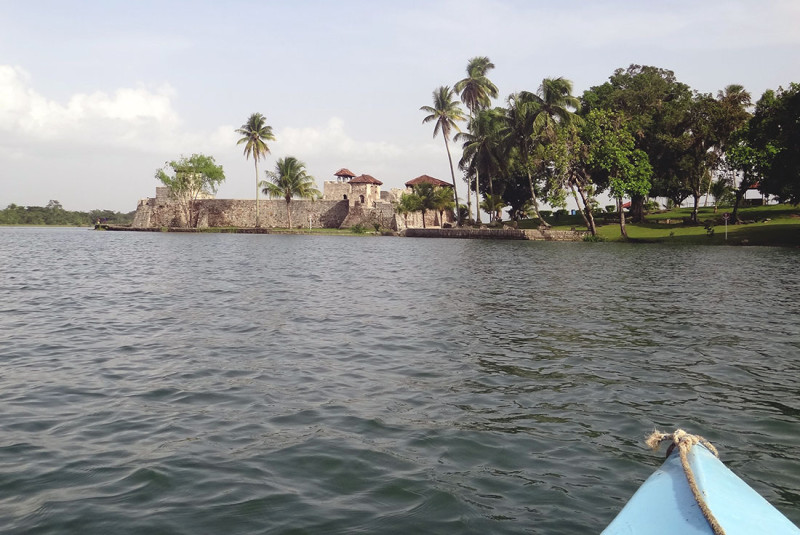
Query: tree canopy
[[190, 178], [289, 180], [255, 134]]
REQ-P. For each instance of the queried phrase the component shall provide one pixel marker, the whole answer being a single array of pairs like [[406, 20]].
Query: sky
[[96, 95]]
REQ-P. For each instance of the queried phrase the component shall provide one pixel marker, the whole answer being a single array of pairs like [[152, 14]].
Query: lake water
[[179, 383]]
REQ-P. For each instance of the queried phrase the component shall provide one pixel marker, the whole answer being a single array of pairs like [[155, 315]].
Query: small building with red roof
[[427, 179], [364, 190]]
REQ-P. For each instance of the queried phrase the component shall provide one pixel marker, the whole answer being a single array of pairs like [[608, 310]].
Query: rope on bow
[[684, 441]]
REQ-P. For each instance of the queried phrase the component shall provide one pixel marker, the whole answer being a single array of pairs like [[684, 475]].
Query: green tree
[[290, 180], [655, 106], [476, 93], [408, 204], [519, 134], [720, 189], [554, 105], [742, 156], [426, 199], [443, 202], [483, 148], [774, 133], [612, 148], [188, 179], [445, 112], [493, 205], [255, 134]]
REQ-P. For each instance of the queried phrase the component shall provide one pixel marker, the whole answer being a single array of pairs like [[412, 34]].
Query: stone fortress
[[348, 200]]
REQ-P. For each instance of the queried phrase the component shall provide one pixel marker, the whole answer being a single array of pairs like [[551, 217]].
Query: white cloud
[[331, 140], [130, 118]]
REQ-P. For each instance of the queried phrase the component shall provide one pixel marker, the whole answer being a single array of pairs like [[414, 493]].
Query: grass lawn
[[764, 225]]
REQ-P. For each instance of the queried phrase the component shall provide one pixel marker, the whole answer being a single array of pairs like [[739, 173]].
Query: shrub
[[652, 206], [611, 208], [595, 238], [358, 229], [546, 213]]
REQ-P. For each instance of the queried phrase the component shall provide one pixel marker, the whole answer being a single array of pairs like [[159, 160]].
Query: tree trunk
[[586, 213], [423, 219], [477, 197], [255, 160], [622, 219], [469, 198], [453, 176], [588, 209], [637, 208], [535, 202], [289, 214], [696, 196], [735, 214]]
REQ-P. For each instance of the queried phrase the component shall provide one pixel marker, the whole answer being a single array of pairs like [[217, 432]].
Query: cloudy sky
[[96, 95]]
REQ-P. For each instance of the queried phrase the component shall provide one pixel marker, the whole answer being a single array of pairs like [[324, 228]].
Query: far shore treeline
[[55, 214]]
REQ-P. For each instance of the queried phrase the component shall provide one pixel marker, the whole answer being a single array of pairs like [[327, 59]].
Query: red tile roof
[[344, 172], [365, 179], [425, 179]]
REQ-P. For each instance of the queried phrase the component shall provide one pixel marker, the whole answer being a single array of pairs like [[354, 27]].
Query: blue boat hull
[[664, 504]]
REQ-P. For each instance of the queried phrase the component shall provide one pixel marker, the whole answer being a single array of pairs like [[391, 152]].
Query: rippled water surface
[[168, 383]]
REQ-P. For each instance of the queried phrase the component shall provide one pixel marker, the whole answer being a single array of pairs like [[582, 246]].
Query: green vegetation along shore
[[55, 214], [762, 225]]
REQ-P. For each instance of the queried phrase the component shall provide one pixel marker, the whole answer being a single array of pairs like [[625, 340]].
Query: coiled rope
[[684, 442]]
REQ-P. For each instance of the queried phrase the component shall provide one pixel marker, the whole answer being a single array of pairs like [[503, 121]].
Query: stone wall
[[152, 213], [496, 234], [335, 191], [163, 211]]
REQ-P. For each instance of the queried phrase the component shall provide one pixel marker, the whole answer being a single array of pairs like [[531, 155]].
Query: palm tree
[[518, 132], [408, 204], [719, 189], [290, 180], [255, 133], [476, 91], [445, 111], [553, 99], [493, 205], [426, 197], [483, 147], [443, 201]]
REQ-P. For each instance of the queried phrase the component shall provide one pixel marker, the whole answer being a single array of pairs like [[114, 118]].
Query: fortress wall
[[242, 213], [336, 191], [272, 213], [382, 214], [163, 212]]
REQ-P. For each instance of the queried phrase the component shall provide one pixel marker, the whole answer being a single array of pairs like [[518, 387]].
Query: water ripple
[[162, 383]]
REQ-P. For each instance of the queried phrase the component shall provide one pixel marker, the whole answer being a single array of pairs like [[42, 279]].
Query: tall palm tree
[[443, 201], [445, 111], [290, 180], [533, 118], [255, 134], [519, 131], [553, 100], [483, 147], [426, 199], [476, 91]]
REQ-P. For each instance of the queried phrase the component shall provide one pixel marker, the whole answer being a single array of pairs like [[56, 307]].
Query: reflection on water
[[251, 384]]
